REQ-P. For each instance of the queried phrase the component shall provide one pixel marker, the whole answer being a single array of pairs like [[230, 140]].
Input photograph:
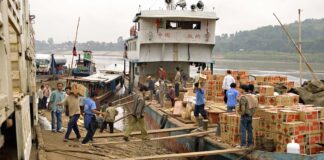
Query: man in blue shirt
[[232, 95], [56, 111], [200, 102], [90, 122]]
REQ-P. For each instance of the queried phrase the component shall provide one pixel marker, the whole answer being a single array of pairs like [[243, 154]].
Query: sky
[[106, 20]]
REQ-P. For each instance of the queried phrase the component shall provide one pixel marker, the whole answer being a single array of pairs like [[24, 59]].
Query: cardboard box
[[320, 112], [287, 116], [270, 100], [78, 89], [313, 127], [266, 90], [284, 139], [313, 149], [312, 138], [308, 115], [270, 115], [287, 100], [292, 128]]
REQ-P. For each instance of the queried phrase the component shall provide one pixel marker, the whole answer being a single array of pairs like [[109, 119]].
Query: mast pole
[[300, 48], [74, 44], [297, 49]]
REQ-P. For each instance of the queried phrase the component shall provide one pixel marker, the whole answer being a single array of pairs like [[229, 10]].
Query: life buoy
[[163, 121]]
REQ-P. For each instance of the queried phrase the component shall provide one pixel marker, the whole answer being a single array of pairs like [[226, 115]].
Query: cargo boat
[[179, 38], [103, 85]]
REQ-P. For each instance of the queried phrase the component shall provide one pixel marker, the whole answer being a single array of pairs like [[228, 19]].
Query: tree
[[50, 41]]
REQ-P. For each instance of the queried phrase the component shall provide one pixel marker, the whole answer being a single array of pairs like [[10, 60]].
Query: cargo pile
[[277, 124], [213, 84]]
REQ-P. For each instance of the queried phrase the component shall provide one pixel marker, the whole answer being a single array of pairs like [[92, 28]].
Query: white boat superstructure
[[170, 38]]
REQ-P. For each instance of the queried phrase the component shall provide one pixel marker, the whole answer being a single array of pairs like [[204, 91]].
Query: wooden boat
[[86, 66], [102, 85]]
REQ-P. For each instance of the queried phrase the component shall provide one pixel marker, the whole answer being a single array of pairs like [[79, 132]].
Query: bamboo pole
[[297, 49], [120, 105], [122, 117], [74, 44], [149, 132], [159, 138], [122, 98], [300, 48], [190, 154]]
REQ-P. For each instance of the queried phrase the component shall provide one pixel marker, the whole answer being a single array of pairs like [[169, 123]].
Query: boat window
[[183, 25]]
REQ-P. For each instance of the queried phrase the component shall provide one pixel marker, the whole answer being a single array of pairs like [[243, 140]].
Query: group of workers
[[244, 104], [75, 105]]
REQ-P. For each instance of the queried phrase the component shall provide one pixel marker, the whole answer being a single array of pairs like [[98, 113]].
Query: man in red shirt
[[162, 73]]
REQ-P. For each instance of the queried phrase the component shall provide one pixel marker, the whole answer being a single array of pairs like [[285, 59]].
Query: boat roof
[[99, 77], [175, 14]]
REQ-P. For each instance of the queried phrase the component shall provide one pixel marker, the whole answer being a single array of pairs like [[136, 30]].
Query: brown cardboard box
[[308, 115], [284, 139], [287, 100], [266, 90], [287, 116], [270, 115], [256, 123], [313, 127], [313, 138], [320, 112], [270, 100], [292, 128], [259, 79]]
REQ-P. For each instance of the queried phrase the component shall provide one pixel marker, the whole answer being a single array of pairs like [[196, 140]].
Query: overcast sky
[[106, 20]]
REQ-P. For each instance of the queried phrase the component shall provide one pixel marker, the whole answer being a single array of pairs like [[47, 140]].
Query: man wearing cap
[[151, 86], [137, 118]]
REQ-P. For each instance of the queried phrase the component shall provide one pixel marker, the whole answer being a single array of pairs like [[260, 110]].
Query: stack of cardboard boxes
[[273, 80], [267, 98], [230, 128], [213, 85]]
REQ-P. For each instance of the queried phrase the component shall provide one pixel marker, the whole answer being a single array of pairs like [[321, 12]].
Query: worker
[[110, 114], [249, 88], [162, 91], [200, 102], [184, 78], [47, 93], [247, 106], [177, 79], [232, 95], [151, 86], [56, 111], [137, 117], [72, 104], [40, 95], [90, 121], [171, 94], [228, 80], [162, 73]]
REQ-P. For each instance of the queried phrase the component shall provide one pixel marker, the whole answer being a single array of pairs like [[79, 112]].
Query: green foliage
[[272, 38]]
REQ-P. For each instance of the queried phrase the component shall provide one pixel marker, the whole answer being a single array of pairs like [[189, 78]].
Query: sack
[[248, 105]]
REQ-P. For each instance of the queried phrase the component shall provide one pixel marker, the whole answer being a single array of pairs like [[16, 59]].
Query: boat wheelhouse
[[169, 38]]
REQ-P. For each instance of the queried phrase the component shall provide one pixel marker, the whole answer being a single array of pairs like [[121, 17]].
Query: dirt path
[[56, 149]]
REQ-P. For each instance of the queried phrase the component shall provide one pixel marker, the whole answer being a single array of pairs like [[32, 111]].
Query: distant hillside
[[272, 38], [50, 46]]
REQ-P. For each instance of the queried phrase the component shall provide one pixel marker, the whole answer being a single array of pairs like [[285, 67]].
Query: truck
[[18, 109]]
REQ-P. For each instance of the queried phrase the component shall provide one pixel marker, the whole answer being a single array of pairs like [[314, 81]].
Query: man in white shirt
[[228, 80], [40, 96]]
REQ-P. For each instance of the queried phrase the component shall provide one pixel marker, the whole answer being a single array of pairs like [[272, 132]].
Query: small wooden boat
[[102, 85]]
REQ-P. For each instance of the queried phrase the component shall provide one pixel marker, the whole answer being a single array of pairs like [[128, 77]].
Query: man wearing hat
[[137, 118], [151, 86]]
